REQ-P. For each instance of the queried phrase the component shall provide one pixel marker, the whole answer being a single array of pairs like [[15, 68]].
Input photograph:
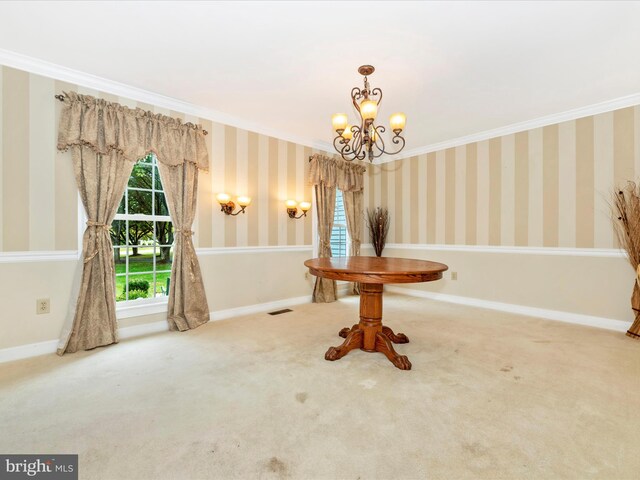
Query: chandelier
[[357, 142]]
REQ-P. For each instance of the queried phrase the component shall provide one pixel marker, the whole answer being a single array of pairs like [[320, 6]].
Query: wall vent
[[278, 312]]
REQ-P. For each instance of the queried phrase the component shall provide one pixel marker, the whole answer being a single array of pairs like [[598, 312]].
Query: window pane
[[161, 204], [158, 180], [141, 238], [140, 202], [163, 283], [150, 158], [339, 241], [120, 288], [141, 176], [164, 257], [164, 233], [118, 232], [339, 231], [338, 213], [140, 286], [163, 272], [120, 259]]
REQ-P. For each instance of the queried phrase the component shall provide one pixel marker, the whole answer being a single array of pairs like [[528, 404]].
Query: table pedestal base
[[370, 335]]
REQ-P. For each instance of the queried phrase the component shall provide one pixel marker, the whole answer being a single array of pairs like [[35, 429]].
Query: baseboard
[[50, 346], [29, 350], [258, 308], [567, 317]]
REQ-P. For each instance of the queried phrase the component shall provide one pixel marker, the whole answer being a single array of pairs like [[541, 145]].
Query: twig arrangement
[[378, 223], [626, 205]]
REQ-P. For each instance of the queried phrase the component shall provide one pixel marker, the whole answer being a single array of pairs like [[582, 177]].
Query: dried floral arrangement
[[626, 206], [378, 223]]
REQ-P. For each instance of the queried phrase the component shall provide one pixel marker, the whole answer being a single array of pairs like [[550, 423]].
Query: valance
[[106, 126], [333, 172]]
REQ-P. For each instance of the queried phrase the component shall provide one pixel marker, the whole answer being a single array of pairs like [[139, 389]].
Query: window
[[142, 234], [339, 237]]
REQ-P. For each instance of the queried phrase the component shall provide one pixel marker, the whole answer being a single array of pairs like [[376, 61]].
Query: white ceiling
[[455, 68]]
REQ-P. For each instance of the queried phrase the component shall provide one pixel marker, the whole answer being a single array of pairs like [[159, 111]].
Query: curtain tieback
[[103, 226], [324, 247], [98, 225], [186, 233]]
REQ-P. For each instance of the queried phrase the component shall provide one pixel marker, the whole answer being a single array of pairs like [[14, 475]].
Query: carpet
[[491, 395]]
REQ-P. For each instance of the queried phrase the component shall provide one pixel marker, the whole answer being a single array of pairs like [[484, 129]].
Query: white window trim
[[140, 307]]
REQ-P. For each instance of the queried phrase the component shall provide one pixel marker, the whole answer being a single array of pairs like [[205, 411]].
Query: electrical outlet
[[42, 305], [454, 275]]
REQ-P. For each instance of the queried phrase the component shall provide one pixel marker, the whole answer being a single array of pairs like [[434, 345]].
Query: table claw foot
[[402, 362], [394, 337], [346, 331], [353, 341], [384, 345]]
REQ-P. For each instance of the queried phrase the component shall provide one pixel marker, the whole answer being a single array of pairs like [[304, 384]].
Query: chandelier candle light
[[357, 142]]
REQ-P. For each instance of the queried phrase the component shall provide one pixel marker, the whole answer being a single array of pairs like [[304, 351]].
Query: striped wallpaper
[[546, 187], [38, 196]]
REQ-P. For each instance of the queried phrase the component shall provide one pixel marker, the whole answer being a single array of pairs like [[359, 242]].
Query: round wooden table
[[372, 272]]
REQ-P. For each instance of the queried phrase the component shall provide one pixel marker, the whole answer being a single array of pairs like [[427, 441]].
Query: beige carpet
[[491, 395]]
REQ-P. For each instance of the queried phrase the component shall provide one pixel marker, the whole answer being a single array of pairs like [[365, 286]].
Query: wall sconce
[[227, 206], [292, 208]]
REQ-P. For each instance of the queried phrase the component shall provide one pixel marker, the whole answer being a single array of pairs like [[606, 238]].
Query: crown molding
[[87, 80], [594, 109]]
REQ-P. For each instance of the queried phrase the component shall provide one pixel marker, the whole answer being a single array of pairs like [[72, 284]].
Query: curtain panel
[[327, 174], [105, 140], [354, 212]]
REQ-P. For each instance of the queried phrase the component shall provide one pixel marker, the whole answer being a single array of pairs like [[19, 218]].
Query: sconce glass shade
[[368, 109], [223, 198], [291, 203], [305, 206], [398, 121], [339, 121], [244, 201], [348, 133]]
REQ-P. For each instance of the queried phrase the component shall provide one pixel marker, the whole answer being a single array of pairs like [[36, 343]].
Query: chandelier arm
[[340, 141], [356, 94], [346, 152], [358, 143], [379, 130], [373, 94], [397, 140]]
